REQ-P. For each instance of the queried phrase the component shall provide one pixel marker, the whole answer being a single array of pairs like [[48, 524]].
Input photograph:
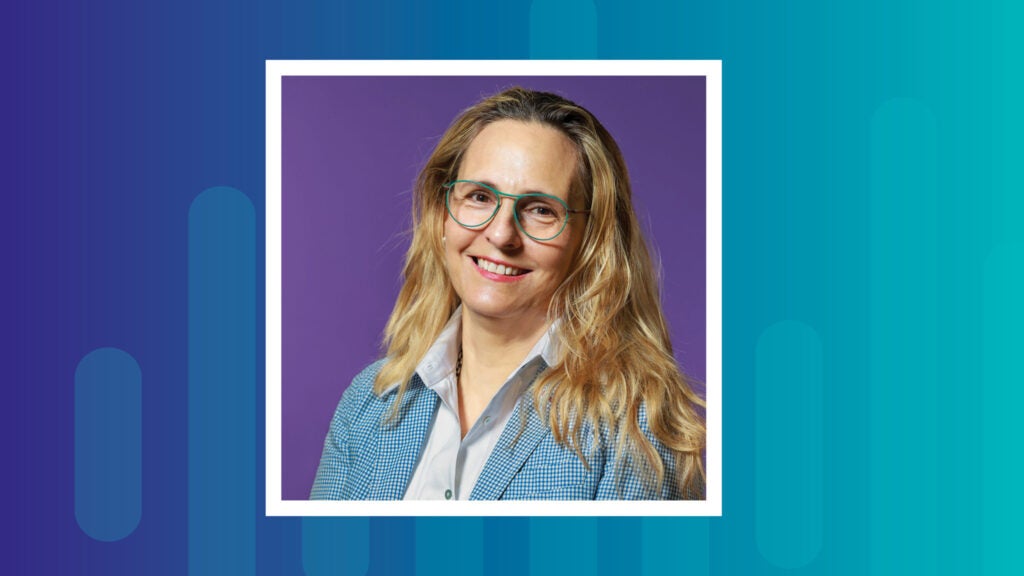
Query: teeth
[[498, 268]]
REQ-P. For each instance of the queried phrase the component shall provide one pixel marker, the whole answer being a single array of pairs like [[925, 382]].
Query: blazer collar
[[511, 450]]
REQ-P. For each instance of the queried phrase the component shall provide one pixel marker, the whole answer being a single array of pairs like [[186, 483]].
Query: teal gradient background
[[873, 250]]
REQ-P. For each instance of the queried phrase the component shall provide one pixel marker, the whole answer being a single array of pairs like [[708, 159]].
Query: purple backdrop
[[342, 258]]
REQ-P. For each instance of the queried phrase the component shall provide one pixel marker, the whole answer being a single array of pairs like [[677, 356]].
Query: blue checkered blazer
[[365, 459]]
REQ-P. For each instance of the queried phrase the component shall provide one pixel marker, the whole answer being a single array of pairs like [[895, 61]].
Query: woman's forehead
[[519, 157]]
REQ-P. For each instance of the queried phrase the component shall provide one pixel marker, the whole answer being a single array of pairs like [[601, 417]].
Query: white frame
[[711, 70]]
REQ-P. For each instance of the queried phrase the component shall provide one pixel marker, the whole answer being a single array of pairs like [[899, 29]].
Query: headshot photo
[[493, 288]]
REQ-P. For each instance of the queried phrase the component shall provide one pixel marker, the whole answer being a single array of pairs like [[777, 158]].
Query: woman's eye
[[481, 197], [541, 210]]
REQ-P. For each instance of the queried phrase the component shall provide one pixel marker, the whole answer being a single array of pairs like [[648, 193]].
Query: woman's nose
[[502, 230]]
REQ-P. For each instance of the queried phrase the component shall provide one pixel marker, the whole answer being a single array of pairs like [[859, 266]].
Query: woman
[[527, 355]]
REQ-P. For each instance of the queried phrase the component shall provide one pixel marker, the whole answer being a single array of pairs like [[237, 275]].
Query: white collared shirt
[[449, 464]]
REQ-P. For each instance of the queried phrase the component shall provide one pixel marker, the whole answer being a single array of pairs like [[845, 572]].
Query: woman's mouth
[[495, 268]]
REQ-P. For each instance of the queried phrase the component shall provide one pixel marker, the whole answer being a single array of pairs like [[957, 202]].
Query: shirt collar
[[440, 359]]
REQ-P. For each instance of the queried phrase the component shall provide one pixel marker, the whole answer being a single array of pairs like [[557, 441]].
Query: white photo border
[[711, 70]]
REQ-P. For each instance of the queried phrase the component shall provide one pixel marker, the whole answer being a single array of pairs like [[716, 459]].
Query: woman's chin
[[503, 311]]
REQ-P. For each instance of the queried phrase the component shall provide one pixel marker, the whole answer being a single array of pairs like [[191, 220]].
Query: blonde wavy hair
[[616, 352]]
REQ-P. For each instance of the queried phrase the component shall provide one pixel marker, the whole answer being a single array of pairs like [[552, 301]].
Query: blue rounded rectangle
[[108, 444]]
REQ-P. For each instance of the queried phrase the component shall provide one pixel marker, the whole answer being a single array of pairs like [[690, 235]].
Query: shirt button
[[447, 494], [487, 419]]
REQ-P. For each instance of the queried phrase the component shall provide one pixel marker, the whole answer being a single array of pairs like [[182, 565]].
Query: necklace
[[458, 366]]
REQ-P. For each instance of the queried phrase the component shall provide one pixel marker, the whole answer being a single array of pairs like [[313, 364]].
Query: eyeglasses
[[539, 216]]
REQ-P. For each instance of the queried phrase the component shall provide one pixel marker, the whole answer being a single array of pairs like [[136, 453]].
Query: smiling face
[[498, 271]]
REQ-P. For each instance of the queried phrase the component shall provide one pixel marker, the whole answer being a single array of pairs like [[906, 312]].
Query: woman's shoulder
[[627, 476], [367, 376], [359, 395]]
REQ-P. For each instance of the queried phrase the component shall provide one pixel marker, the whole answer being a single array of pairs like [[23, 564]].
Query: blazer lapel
[[510, 453], [400, 443]]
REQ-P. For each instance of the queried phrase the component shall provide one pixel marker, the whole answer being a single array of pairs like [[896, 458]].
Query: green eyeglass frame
[[515, 213]]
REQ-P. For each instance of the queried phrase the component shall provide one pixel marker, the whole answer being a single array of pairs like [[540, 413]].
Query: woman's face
[[515, 158]]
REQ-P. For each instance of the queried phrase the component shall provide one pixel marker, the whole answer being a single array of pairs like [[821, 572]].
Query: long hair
[[616, 354]]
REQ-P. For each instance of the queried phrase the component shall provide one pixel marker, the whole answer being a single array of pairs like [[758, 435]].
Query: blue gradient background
[[872, 221]]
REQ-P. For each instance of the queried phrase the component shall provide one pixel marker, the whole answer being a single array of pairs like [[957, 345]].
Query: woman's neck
[[498, 343], [491, 350]]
